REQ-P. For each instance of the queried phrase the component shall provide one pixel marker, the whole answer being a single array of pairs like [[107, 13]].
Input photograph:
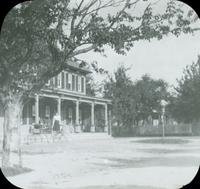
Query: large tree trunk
[[11, 134]]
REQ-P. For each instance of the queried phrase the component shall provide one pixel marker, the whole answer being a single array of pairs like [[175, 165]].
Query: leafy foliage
[[120, 90], [150, 92], [132, 102], [185, 105], [38, 38]]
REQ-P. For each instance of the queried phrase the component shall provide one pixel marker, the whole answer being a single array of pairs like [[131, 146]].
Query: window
[[47, 111], [73, 82], [48, 83], [33, 110], [79, 83], [56, 81], [59, 80], [63, 80], [82, 84], [51, 82], [76, 83], [69, 81]]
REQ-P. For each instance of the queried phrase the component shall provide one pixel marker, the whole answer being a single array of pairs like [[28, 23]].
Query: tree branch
[[84, 50]]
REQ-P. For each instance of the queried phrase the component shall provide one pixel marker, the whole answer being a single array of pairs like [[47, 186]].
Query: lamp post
[[163, 105]]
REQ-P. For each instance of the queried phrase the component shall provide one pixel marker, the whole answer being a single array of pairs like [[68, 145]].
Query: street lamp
[[163, 104]]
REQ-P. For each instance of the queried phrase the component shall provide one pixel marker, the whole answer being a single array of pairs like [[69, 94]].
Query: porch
[[78, 114]]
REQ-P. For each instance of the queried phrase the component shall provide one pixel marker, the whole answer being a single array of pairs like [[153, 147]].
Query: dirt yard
[[96, 160]]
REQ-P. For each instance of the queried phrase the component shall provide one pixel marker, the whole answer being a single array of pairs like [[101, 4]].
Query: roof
[[78, 66]]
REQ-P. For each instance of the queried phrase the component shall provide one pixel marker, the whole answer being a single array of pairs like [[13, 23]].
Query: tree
[[90, 88], [150, 92], [134, 101], [185, 104], [121, 91], [39, 38]]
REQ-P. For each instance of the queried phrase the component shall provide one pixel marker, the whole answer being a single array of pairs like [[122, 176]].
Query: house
[[66, 95]]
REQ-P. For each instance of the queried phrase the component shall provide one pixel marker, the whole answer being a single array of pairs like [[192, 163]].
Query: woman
[[56, 122]]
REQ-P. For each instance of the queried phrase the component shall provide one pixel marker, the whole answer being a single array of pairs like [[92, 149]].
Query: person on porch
[[56, 123]]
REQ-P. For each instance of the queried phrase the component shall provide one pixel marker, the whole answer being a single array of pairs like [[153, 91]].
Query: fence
[[169, 130], [151, 130]]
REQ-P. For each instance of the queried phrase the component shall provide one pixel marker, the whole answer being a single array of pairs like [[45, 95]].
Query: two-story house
[[65, 94]]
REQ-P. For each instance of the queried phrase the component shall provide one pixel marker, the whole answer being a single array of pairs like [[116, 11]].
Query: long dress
[[56, 126]]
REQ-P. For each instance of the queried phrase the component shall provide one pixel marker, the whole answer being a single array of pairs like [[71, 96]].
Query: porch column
[[92, 118], [59, 107], [106, 118], [78, 128], [110, 123], [37, 108]]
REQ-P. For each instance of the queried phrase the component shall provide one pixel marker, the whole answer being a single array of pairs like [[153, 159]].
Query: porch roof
[[72, 96]]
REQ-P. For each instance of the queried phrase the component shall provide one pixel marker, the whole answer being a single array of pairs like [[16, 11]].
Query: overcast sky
[[163, 59]]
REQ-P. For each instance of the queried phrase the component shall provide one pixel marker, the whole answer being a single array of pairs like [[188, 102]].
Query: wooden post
[[59, 107], [77, 126], [77, 112], [37, 108], [163, 122]]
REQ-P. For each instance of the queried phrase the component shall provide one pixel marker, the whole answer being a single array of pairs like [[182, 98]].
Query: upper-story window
[[82, 84], [76, 82], [59, 80], [63, 80], [56, 81], [48, 82], [69, 81], [79, 83], [73, 82]]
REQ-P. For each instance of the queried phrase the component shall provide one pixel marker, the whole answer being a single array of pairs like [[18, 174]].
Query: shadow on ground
[[142, 162], [163, 141], [119, 187], [13, 171]]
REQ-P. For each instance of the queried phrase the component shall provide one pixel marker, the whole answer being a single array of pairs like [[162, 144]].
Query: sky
[[161, 59]]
